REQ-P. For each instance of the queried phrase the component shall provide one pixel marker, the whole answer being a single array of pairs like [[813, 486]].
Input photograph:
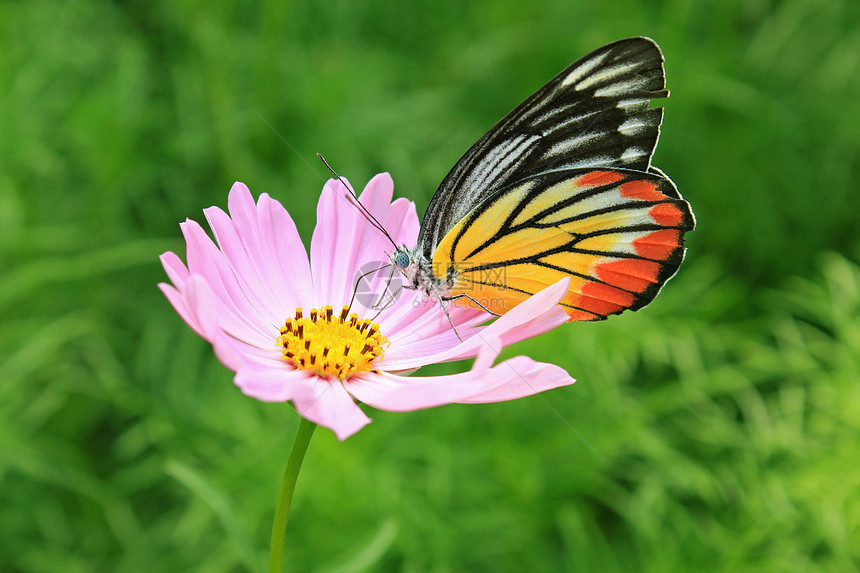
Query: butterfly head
[[402, 258], [410, 263], [418, 271]]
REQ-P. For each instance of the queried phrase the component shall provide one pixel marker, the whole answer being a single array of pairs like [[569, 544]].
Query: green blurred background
[[715, 430]]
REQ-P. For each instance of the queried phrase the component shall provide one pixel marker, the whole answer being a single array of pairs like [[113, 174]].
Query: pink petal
[[240, 249], [518, 377], [398, 219], [536, 315], [514, 378], [255, 255], [232, 353], [175, 268], [241, 309], [193, 298], [202, 306], [315, 398], [264, 230], [332, 245], [285, 251], [422, 331], [279, 384], [176, 300], [399, 394], [377, 194], [333, 408]]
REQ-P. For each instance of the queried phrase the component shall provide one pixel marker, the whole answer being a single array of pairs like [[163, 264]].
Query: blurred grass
[[717, 429]]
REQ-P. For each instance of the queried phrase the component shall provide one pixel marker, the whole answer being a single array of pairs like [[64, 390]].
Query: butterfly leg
[[459, 296], [445, 310], [361, 278], [385, 291], [388, 303]]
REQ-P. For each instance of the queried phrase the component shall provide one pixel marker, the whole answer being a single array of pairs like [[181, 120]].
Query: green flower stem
[[288, 484]]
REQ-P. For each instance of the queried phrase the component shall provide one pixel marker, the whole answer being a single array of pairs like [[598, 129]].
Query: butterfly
[[562, 186]]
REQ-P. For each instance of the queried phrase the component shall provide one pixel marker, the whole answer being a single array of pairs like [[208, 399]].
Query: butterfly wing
[[595, 113], [617, 233]]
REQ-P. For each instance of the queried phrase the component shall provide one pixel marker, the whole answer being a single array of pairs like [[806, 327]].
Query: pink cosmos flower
[[281, 322]]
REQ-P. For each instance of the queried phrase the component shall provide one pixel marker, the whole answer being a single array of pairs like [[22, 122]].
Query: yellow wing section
[[618, 234]]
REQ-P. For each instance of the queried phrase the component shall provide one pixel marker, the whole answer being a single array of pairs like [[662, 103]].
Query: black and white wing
[[596, 113]]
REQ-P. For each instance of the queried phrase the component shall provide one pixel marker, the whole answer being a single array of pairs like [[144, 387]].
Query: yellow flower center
[[331, 345]]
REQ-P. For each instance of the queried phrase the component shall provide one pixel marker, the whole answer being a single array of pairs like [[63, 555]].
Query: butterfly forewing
[[617, 233], [595, 113]]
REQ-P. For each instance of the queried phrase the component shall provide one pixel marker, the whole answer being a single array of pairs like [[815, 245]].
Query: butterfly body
[[418, 270], [561, 187]]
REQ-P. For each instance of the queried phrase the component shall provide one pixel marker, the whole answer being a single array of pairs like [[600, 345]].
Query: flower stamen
[[329, 345]]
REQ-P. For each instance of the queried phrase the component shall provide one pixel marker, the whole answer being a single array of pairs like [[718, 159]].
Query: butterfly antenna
[[353, 198]]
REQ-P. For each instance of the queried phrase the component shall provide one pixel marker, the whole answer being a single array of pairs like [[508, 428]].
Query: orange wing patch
[[618, 234], [658, 245]]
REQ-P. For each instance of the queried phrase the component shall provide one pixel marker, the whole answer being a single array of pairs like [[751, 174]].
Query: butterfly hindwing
[[617, 233], [595, 113]]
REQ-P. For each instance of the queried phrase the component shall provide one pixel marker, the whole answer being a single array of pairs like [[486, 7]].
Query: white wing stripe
[[498, 160], [613, 90], [626, 104], [566, 146], [632, 126], [593, 161], [632, 154], [607, 74], [577, 74], [568, 121]]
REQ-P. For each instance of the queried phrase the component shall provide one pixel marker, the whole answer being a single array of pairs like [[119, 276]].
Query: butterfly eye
[[401, 260]]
